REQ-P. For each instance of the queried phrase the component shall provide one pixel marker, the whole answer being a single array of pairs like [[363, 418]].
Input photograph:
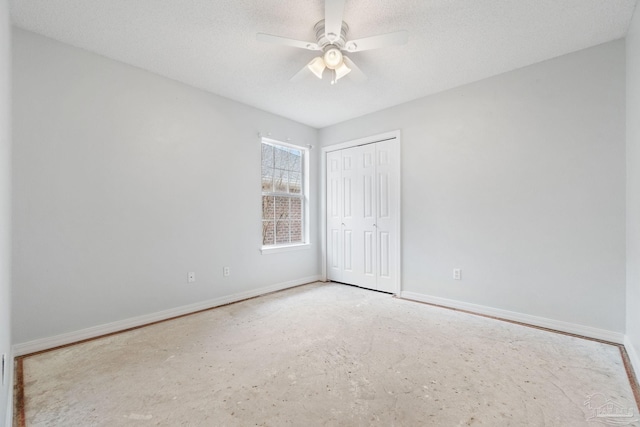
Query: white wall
[[520, 181], [124, 181], [633, 191], [5, 211]]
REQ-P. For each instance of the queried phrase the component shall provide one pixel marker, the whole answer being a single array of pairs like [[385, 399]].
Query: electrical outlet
[[226, 271], [457, 274], [191, 277]]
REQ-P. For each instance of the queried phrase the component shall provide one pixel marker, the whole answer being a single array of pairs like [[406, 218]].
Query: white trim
[[284, 248], [120, 325], [558, 325], [323, 213], [362, 141], [306, 201], [399, 217], [274, 142], [633, 356], [396, 134], [306, 173], [9, 384]]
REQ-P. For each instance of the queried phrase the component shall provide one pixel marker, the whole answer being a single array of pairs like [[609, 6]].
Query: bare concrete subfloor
[[328, 355]]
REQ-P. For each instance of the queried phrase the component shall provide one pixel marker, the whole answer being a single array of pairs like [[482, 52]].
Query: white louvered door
[[361, 218]]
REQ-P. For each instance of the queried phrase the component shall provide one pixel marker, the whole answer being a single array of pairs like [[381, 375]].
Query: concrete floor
[[328, 355]]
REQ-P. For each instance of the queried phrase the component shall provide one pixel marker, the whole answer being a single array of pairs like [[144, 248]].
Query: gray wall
[[520, 181], [124, 181], [633, 185], [5, 208]]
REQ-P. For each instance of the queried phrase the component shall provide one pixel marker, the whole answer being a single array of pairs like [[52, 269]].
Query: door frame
[[323, 202]]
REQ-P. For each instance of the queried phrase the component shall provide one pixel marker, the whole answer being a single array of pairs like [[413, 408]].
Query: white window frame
[[286, 247]]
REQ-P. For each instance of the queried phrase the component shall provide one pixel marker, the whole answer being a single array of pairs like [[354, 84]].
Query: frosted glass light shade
[[333, 58], [342, 71], [317, 66]]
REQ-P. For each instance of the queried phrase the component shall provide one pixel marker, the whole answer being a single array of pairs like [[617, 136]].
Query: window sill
[[284, 248]]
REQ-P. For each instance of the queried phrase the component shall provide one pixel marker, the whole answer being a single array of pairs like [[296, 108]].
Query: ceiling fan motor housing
[[324, 42]]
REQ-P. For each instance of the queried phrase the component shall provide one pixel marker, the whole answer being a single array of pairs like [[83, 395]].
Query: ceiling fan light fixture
[[342, 71], [333, 58], [317, 66], [332, 40], [339, 73]]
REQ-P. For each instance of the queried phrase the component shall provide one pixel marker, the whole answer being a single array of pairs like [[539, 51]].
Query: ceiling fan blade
[[315, 66], [333, 12], [284, 41], [356, 73], [376, 42], [304, 72]]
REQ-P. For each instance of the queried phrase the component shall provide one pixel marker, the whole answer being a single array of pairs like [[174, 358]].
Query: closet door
[[351, 216], [387, 238], [363, 222], [361, 235], [334, 216], [349, 213]]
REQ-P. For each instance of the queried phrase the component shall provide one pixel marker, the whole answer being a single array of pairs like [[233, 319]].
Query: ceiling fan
[[331, 40]]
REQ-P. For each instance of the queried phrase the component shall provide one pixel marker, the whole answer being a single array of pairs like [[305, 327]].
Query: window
[[283, 194]]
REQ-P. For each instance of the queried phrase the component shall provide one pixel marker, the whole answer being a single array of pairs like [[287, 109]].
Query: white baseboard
[[558, 325], [41, 344], [633, 357]]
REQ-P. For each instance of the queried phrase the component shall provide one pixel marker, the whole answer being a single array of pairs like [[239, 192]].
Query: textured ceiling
[[211, 44]]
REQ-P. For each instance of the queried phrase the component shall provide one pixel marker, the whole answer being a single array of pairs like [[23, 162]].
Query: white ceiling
[[211, 44]]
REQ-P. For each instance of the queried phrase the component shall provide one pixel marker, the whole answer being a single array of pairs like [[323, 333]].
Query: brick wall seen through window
[[283, 195]]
